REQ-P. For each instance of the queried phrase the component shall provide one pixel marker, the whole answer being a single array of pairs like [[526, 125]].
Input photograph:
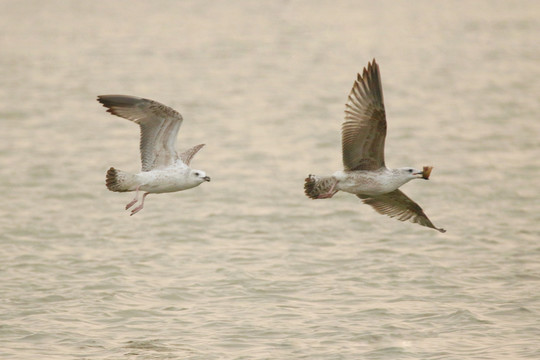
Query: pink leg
[[139, 208], [330, 192], [130, 204]]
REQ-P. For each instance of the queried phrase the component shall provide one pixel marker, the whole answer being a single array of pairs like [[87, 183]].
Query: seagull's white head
[[198, 176], [411, 173]]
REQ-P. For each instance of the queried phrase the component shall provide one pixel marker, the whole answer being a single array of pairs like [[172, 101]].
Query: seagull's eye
[[410, 170], [197, 174]]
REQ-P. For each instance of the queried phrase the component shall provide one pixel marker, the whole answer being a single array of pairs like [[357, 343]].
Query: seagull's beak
[[206, 178], [421, 173]]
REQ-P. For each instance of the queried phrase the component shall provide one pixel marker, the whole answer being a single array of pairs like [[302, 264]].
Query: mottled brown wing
[[159, 127], [397, 204], [364, 130]]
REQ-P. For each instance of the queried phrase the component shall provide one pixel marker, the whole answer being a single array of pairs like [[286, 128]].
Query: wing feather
[[398, 205], [364, 129], [187, 155], [159, 127]]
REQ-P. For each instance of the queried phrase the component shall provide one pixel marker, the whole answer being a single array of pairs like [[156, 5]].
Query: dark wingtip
[[110, 102], [100, 99], [371, 65]]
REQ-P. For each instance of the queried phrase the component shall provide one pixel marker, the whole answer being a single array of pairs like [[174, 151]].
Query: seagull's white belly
[[166, 180], [365, 182], [368, 187]]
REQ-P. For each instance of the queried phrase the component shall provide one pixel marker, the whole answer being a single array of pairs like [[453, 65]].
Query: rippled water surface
[[247, 267]]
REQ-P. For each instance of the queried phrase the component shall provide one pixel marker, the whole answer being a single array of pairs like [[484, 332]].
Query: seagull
[[365, 173], [163, 169]]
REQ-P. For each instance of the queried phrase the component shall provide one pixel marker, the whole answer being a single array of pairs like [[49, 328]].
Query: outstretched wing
[[159, 127], [187, 155], [364, 130], [397, 204]]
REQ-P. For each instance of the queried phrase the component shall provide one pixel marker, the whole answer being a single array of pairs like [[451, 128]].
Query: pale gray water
[[247, 267]]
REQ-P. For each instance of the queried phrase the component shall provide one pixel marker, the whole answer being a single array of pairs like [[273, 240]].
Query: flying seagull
[[365, 174], [163, 169]]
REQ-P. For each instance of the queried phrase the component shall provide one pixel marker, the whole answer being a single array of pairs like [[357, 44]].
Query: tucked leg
[[329, 193], [130, 204], [139, 208]]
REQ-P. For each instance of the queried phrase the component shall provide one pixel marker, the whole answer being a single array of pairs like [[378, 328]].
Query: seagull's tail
[[318, 185], [120, 181]]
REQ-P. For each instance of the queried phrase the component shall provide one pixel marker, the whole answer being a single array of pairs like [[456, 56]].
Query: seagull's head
[[412, 173], [199, 176]]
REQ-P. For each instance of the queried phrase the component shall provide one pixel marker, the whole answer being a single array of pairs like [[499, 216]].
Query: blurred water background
[[247, 267]]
